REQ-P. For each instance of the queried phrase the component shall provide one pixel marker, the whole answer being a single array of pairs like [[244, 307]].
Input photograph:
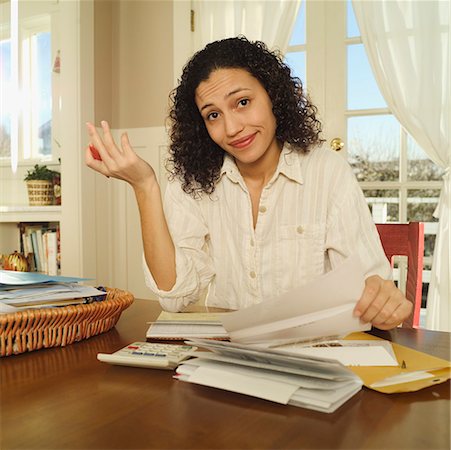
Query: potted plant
[[40, 185]]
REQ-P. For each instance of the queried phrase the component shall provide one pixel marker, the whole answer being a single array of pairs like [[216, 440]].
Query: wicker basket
[[40, 192], [33, 329]]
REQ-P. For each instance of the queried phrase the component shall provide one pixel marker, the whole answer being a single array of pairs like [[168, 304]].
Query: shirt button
[[262, 209], [253, 274], [300, 229]]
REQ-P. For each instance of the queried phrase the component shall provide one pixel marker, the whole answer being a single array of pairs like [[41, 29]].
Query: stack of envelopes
[[309, 382]]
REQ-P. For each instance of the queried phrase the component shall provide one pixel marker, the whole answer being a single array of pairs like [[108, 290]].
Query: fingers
[[104, 151], [94, 137], [94, 163], [106, 147], [108, 138], [367, 306], [397, 317], [95, 153], [125, 144], [382, 304]]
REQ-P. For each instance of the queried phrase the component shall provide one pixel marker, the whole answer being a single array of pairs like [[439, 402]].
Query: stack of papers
[[305, 381], [24, 290], [186, 326]]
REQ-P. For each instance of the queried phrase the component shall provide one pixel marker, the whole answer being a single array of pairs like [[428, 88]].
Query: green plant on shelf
[[41, 173]]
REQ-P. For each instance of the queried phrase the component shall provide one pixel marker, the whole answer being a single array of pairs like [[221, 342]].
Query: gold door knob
[[336, 144]]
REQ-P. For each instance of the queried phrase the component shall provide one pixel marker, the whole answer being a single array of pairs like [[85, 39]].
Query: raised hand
[[111, 160]]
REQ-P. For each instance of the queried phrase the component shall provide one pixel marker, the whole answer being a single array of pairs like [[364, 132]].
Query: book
[[43, 242], [35, 246], [187, 325], [315, 383], [51, 246]]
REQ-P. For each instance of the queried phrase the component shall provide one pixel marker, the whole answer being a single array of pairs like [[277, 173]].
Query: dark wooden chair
[[400, 239]]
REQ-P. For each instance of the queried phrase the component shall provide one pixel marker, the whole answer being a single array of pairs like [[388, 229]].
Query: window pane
[[352, 29], [419, 166], [384, 204], [296, 61], [373, 147], [363, 92], [298, 35], [5, 98], [41, 72], [429, 243], [421, 204]]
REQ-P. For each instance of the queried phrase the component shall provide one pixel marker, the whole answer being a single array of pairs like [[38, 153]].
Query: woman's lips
[[243, 142]]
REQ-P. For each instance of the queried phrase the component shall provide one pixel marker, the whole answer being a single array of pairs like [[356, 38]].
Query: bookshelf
[[15, 213], [75, 105]]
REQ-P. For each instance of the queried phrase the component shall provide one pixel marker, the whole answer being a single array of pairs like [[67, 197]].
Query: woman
[[255, 206]]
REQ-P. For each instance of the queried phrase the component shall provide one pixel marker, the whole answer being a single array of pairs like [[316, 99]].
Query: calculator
[[148, 354]]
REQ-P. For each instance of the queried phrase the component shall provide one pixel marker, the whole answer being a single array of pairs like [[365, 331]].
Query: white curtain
[[408, 46], [270, 21]]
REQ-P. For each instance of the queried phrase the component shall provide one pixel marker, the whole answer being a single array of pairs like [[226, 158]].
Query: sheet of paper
[[348, 354], [402, 378], [321, 308], [10, 278], [272, 390], [329, 405]]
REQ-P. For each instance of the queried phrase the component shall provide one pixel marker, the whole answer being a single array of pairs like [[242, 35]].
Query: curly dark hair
[[194, 157]]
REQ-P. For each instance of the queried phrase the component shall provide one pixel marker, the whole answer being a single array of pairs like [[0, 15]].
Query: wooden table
[[63, 398]]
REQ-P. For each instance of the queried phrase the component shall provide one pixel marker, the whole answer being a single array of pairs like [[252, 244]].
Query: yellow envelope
[[416, 370]]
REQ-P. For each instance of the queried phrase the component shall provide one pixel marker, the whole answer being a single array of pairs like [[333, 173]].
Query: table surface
[[63, 398]]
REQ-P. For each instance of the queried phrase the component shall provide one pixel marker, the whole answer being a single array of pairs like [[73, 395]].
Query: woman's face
[[237, 112]]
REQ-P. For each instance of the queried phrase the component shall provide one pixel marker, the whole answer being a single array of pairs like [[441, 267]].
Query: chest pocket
[[300, 254]]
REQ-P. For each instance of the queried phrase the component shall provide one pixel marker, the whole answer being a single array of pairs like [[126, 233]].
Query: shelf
[[30, 213]]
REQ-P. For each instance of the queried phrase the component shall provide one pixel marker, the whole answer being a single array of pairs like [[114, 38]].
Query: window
[[5, 99], [398, 180], [34, 97]]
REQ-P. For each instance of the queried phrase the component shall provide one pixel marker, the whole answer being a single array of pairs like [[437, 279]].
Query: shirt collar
[[289, 166]]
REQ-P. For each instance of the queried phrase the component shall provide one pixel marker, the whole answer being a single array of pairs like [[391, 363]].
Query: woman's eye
[[212, 116], [244, 102]]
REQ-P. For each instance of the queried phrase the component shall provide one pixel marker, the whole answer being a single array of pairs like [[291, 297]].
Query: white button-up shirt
[[312, 215]]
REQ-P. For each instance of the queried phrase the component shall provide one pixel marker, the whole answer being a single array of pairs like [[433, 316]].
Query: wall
[[133, 61]]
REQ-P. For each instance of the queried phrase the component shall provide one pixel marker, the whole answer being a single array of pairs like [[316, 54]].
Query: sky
[[363, 93]]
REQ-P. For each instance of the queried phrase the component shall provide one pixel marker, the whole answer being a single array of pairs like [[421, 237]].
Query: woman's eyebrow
[[235, 91]]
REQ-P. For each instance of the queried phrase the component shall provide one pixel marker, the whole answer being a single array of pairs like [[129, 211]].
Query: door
[[400, 183]]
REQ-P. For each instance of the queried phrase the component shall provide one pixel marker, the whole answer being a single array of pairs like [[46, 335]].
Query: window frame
[[29, 27]]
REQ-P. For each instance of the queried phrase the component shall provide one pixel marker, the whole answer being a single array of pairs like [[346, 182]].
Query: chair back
[[399, 239]]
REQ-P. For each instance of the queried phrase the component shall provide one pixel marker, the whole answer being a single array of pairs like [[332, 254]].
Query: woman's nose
[[233, 124]]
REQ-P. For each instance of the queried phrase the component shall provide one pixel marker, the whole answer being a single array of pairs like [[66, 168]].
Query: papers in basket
[[309, 382], [24, 290], [318, 310]]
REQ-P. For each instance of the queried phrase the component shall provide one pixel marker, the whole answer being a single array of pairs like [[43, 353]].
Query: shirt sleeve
[[194, 266], [350, 227]]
